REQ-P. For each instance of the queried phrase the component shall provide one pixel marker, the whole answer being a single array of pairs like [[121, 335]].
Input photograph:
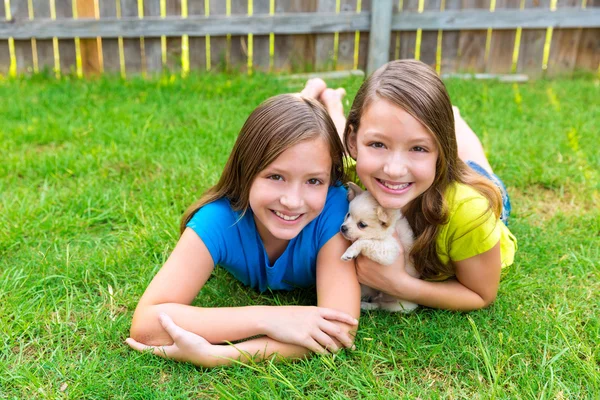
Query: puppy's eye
[[361, 225], [347, 215]]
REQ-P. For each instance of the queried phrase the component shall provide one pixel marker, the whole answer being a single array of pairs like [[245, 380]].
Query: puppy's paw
[[367, 306], [349, 255]]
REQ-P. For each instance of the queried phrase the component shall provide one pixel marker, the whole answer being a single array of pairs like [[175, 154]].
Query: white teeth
[[286, 217], [395, 187]]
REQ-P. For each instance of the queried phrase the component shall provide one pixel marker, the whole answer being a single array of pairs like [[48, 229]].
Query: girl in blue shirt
[[273, 221]]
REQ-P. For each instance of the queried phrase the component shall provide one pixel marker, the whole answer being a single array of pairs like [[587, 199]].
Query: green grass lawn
[[94, 177]]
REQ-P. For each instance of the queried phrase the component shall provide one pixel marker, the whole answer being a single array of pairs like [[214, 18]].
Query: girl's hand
[[385, 278], [187, 346], [309, 327]]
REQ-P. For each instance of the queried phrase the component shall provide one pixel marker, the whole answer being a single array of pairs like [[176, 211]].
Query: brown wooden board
[[450, 41], [219, 51], [363, 43], [502, 43], [152, 46], [23, 54], [588, 54], [324, 43], [45, 50], [238, 51], [531, 52], [90, 53], [471, 43], [197, 45], [345, 59], [394, 52], [4, 57], [408, 39], [132, 49], [294, 53], [173, 43], [260, 57], [68, 59], [429, 38], [110, 47], [564, 45]]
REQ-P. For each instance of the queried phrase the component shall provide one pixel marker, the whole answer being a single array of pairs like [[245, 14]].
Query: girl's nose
[[292, 199], [395, 167]]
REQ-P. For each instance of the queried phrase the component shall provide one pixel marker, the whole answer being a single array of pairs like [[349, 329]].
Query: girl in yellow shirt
[[413, 152]]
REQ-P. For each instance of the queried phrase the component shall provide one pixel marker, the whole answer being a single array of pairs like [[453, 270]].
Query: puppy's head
[[366, 219]]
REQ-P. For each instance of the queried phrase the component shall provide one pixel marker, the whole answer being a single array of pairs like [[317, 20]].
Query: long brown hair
[[274, 126], [414, 87]]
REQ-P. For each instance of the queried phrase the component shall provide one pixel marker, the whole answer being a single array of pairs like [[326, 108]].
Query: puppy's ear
[[353, 190], [384, 216]]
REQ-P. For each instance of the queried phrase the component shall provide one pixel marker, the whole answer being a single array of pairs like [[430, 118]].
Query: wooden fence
[[129, 37]]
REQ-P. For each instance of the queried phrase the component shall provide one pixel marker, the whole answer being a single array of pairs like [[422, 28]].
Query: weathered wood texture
[[147, 36]]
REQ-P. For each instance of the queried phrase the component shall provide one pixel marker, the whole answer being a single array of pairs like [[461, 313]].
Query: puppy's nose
[[343, 228]]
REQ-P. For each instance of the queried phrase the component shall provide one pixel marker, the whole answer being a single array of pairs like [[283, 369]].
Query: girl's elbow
[[146, 329]]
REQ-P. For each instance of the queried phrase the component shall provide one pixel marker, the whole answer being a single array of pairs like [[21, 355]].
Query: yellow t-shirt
[[470, 229]]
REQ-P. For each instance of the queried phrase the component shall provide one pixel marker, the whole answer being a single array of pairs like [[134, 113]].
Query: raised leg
[[469, 145]]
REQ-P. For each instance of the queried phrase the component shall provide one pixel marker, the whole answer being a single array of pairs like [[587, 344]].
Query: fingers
[[334, 331], [326, 342], [335, 315], [161, 351], [167, 323]]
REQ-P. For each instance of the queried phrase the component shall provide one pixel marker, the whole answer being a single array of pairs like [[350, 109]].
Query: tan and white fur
[[371, 228]]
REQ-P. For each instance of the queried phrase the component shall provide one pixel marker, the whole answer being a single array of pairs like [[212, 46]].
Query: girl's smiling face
[[291, 191], [395, 154]]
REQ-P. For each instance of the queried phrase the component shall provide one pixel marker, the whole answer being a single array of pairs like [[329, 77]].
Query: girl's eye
[[377, 145], [315, 181], [419, 149], [275, 177], [361, 225]]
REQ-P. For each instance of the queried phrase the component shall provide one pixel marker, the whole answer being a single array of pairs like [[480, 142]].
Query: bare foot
[[314, 88], [332, 100]]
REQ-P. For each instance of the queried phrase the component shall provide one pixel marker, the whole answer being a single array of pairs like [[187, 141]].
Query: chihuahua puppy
[[371, 228]]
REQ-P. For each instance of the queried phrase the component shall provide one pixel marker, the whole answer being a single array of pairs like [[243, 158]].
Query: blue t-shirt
[[234, 243]]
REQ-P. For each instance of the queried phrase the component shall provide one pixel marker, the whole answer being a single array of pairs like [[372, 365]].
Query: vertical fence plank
[[408, 39], [532, 45], [110, 47], [345, 56], [502, 43], [429, 38], [45, 51], [132, 48], [363, 43], [380, 35], [565, 42], [471, 43], [197, 44], [238, 50], [295, 53], [4, 49], [219, 52], [588, 52], [90, 51], [325, 46], [152, 46], [64, 10], [173, 56], [23, 48], [261, 42], [450, 43]]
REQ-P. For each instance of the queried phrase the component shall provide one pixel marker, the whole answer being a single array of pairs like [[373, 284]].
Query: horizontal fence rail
[[296, 23]]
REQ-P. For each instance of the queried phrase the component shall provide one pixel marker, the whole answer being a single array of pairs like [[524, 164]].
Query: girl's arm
[[337, 288], [475, 286], [181, 278]]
